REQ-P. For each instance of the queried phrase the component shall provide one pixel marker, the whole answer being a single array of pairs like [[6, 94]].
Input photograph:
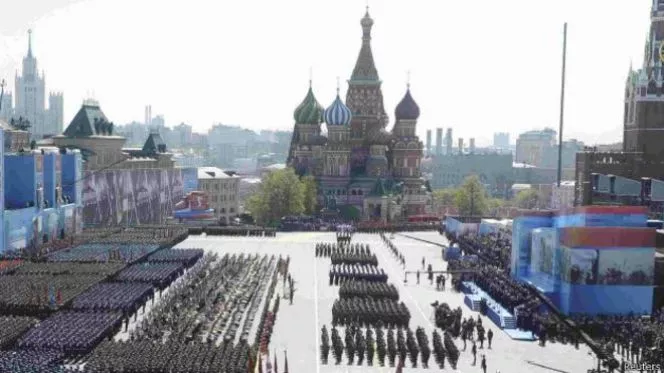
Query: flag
[[249, 363], [285, 362], [51, 296], [400, 366], [58, 297], [276, 370]]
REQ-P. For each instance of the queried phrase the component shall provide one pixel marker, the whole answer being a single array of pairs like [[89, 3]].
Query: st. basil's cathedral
[[363, 170]]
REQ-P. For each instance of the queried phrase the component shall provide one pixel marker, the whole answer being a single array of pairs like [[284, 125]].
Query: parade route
[[314, 297]]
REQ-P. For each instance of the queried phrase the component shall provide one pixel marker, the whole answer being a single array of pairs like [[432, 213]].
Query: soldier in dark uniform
[[350, 345], [489, 336], [360, 345], [370, 347], [391, 347], [473, 350], [337, 345], [380, 344]]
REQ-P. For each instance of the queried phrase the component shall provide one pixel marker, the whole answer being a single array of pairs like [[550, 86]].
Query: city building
[[533, 147], [362, 169], [92, 133], [439, 141], [134, 133], [643, 122], [14, 138], [223, 189], [30, 96], [494, 171], [181, 136], [540, 148], [448, 141], [189, 160], [428, 144], [501, 140]]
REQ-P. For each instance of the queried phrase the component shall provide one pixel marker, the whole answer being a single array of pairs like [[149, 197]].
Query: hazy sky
[[477, 66]]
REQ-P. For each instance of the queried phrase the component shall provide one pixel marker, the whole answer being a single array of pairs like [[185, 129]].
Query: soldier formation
[[374, 347], [200, 320], [88, 293], [367, 311], [235, 231], [342, 273], [368, 289]]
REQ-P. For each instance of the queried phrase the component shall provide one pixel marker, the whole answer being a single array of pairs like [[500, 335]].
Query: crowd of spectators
[[632, 339]]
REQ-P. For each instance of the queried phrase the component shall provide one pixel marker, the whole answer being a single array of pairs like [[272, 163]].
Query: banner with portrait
[[130, 197]]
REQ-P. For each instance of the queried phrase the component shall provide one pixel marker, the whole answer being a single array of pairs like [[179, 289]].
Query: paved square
[[297, 327]]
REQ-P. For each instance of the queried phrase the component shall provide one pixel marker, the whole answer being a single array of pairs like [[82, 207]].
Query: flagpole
[[562, 107]]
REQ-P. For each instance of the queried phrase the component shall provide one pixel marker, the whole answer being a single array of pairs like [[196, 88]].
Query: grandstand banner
[[130, 197], [544, 249], [190, 179], [2, 188]]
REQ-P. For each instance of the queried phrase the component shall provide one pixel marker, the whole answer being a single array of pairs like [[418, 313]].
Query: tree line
[[283, 193], [472, 199]]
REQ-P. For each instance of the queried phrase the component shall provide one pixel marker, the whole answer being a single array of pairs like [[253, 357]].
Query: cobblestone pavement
[[297, 327]]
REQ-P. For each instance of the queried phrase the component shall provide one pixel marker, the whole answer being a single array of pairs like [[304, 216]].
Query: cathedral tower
[[364, 97], [407, 151], [337, 152], [307, 139]]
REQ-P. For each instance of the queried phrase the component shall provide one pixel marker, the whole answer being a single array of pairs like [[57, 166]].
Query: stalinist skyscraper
[[30, 98]]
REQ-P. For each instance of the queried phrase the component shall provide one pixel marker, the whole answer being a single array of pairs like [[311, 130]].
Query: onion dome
[[338, 114], [309, 111], [407, 108]]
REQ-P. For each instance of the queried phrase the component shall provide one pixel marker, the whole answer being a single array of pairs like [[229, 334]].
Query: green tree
[[444, 197], [310, 194], [528, 199], [280, 194], [470, 198], [494, 204]]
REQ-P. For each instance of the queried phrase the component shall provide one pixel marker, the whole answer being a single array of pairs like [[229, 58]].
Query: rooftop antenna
[[30, 43]]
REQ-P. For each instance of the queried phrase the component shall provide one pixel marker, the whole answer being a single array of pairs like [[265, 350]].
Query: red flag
[[285, 362], [58, 297], [276, 370], [250, 364]]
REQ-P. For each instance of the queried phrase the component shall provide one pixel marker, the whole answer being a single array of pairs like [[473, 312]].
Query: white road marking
[[317, 357], [403, 287]]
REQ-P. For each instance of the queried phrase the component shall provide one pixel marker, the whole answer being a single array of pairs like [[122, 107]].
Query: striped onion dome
[[309, 111], [338, 114]]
